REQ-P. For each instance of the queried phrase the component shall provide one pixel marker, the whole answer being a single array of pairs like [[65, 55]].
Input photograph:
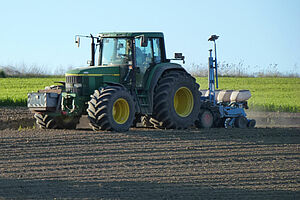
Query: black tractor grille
[[70, 87], [74, 79]]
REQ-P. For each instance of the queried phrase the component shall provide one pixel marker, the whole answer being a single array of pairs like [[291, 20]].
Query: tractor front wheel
[[45, 121], [111, 109]]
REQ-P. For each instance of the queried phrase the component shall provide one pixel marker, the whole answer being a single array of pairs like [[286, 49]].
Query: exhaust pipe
[[92, 51]]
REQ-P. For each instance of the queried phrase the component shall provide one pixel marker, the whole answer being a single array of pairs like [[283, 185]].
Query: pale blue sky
[[257, 32]]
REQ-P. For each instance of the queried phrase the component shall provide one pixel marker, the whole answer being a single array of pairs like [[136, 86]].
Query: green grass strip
[[13, 91], [268, 94]]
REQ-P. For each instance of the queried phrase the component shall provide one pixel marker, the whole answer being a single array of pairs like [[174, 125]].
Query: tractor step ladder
[[143, 100]]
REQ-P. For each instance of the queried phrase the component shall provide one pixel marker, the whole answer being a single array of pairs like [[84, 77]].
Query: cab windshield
[[116, 51]]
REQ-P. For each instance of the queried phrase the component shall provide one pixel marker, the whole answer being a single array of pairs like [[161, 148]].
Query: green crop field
[[268, 94], [13, 91]]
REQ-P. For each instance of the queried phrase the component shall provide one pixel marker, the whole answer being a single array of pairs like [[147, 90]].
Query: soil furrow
[[237, 164], [141, 152]]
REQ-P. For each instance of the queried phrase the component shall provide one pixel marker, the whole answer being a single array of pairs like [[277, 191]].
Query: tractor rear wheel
[[112, 109], [176, 100]]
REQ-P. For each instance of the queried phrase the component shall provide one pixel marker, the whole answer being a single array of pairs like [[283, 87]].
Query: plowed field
[[261, 163]]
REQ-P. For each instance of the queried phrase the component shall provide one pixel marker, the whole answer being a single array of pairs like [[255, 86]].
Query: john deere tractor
[[129, 78]]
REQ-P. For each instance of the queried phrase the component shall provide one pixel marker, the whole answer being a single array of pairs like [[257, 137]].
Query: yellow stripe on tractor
[[92, 74]]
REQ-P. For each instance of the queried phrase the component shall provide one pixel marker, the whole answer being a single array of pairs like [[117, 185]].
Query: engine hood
[[83, 81], [95, 71]]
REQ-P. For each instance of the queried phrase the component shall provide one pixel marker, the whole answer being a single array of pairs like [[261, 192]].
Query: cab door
[[146, 57]]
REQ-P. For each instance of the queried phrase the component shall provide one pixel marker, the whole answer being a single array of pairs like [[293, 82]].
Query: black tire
[[227, 123], [251, 123], [219, 122], [176, 101], [241, 122], [101, 105], [45, 121], [205, 119], [136, 120]]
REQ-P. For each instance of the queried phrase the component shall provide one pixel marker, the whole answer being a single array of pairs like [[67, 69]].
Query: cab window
[[156, 50], [116, 51]]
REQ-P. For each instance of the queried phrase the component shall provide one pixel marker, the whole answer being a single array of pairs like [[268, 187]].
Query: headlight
[[77, 85], [69, 85]]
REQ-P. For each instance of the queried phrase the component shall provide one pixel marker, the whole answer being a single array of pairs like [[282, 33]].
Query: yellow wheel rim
[[183, 102], [121, 111]]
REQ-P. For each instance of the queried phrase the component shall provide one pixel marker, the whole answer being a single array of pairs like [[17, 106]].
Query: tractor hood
[[95, 71], [83, 81]]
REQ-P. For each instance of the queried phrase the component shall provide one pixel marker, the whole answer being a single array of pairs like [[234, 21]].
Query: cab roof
[[132, 34]]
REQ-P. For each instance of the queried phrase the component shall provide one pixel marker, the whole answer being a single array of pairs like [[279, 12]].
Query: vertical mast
[[213, 70]]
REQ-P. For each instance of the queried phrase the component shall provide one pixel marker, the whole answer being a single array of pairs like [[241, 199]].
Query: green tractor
[[129, 79]]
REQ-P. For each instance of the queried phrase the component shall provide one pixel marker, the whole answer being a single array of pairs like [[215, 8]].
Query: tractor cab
[[133, 53]]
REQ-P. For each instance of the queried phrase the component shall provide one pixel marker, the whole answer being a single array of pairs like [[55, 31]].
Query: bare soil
[[16, 117], [21, 117], [260, 163]]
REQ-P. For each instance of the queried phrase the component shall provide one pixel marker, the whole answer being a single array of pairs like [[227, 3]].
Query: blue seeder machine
[[222, 108]]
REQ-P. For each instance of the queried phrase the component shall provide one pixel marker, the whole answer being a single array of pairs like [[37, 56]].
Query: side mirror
[[144, 41], [77, 40], [179, 56]]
